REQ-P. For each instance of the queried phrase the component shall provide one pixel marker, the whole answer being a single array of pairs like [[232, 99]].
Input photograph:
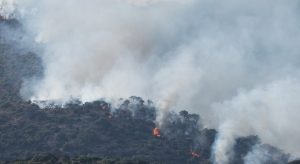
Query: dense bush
[[50, 159]]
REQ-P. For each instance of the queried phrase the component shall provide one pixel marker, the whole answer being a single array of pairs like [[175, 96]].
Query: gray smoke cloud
[[236, 63], [265, 154], [7, 8]]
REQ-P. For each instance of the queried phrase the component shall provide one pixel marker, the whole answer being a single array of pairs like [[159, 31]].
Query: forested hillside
[[96, 132]]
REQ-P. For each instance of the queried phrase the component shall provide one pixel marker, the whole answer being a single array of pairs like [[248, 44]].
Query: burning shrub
[[195, 154], [156, 132]]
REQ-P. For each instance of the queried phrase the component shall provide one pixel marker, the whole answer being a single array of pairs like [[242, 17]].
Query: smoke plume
[[236, 63]]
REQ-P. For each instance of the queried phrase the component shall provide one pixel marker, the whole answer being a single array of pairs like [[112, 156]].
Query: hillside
[[95, 131]]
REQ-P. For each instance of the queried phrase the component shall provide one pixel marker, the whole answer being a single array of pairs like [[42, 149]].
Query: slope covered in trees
[[96, 132]]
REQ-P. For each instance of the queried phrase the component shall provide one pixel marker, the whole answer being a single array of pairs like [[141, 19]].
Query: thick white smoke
[[263, 154], [234, 62], [7, 8], [269, 111]]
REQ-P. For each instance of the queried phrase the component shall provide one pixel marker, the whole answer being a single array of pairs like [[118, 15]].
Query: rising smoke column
[[236, 63]]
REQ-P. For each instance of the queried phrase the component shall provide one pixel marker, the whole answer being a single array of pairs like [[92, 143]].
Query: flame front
[[195, 154], [156, 132]]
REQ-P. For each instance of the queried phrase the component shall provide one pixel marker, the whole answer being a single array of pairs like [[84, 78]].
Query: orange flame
[[156, 132], [195, 154]]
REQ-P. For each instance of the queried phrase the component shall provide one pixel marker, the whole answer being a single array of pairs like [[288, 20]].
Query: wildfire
[[104, 106], [195, 154], [156, 132]]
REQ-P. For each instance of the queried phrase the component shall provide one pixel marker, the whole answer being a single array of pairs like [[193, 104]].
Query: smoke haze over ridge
[[236, 63]]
